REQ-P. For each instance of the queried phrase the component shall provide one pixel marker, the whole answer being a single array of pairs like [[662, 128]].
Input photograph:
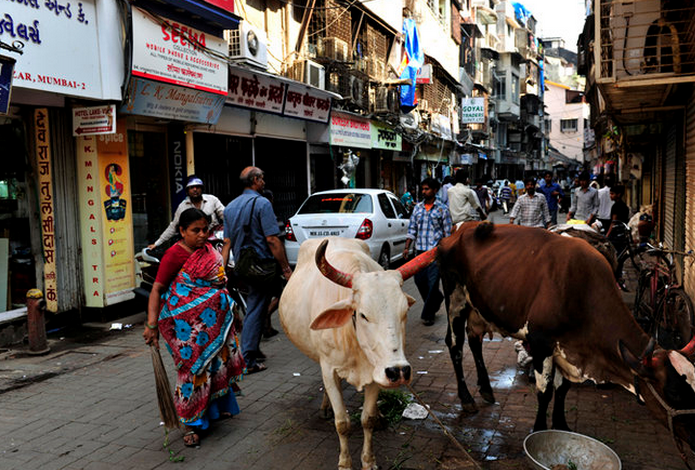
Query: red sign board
[[227, 5]]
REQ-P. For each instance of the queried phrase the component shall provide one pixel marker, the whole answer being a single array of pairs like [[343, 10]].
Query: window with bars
[[568, 125]]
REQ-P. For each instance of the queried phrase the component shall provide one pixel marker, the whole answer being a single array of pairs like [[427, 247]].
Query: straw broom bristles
[[167, 410]]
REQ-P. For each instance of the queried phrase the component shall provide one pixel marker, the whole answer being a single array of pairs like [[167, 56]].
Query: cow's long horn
[[689, 348], [418, 263], [339, 277]]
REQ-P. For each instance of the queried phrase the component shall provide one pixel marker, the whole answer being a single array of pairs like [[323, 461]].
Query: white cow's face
[[378, 310]]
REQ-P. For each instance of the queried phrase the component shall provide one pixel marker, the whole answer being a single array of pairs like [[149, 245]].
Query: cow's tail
[[483, 230]]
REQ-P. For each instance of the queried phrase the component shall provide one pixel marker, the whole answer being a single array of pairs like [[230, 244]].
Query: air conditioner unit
[[309, 72], [386, 100], [356, 91], [248, 45], [629, 27], [336, 49]]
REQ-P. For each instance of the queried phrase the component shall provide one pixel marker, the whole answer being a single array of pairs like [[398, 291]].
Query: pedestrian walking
[[429, 223], [196, 199], [463, 202], [585, 204], [531, 209], [250, 224], [442, 194], [552, 192], [505, 196], [190, 306], [483, 196], [605, 203], [620, 212]]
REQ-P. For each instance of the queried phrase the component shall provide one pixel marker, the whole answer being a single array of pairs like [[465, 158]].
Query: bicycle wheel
[[675, 325], [643, 307]]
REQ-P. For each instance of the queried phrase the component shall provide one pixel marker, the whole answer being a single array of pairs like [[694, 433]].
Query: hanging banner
[[156, 99], [6, 69], [350, 131], [45, 170], [170, 52], [385, 138], [177, 165]]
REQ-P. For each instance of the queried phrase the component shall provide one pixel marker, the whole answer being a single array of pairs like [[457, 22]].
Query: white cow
[[350, 317]]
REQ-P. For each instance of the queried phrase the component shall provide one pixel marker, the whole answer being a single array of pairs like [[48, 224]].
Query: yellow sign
[[43, 157], [90, 215], [117, 220], [106, 212]]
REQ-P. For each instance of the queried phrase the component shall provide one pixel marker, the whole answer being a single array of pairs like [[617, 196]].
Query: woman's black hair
[[192, 215]]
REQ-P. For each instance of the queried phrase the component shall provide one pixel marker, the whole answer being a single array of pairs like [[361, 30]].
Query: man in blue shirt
[[252, 210], [429, 223], [552, 192]]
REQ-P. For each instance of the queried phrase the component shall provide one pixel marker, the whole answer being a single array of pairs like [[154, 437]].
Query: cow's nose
[[406, 373], [393, 373]]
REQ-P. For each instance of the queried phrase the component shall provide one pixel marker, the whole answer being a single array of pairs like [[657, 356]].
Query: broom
[[165, 400]]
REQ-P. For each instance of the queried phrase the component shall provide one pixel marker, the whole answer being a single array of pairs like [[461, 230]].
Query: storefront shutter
[[689, 212]]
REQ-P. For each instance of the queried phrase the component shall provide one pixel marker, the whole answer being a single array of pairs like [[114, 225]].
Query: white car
[[373, 215]]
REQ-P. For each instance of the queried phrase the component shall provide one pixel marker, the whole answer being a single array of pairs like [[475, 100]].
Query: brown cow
[[559, 295]]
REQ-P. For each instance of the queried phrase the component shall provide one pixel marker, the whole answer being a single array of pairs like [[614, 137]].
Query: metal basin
[[551, 447]]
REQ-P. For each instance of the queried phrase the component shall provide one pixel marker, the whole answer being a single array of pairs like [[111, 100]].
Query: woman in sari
[[191, 307]]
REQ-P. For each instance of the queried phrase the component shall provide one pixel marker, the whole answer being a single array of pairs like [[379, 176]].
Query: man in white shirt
[[195, 198], [605, 203], [463, 202]]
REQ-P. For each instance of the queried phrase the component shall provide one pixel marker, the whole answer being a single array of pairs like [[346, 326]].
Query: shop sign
[[55, 55], [6, 69], [106, 214], [350, 131], [256, 91], [424, 75], [148, 98], [301, 102], [177, 165], [94, 120], [473, 110], [385, 138], [171, 52], [46, 207]]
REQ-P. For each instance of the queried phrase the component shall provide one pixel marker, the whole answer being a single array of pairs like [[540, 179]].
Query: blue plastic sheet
[[414, 59]]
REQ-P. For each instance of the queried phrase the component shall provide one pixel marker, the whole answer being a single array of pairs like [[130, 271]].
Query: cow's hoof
[[468, 409], [489, 397]]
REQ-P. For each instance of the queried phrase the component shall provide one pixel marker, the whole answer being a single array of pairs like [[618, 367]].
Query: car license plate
[[324, 233]]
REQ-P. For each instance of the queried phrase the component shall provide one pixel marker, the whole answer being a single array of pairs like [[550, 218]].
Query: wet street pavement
[[92, 405]]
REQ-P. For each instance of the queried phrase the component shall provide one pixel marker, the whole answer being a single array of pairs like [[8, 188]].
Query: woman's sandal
[[192, 441], [259, 367]]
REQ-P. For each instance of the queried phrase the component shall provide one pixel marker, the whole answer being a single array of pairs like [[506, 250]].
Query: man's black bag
[[248, 266]]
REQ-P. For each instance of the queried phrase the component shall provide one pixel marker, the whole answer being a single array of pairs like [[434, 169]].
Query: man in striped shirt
[[429, 223], [531, 209]]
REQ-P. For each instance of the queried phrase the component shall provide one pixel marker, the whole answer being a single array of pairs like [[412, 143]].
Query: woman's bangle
[[151, 327]]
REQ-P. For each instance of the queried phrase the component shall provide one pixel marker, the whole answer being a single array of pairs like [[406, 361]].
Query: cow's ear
[[411, 300], [334, 316]]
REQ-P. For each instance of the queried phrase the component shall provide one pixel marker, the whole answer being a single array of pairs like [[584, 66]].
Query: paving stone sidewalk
[[93, 406]]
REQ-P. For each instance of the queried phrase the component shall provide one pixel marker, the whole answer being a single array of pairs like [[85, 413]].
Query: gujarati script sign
[[385, 138], [350, 131]]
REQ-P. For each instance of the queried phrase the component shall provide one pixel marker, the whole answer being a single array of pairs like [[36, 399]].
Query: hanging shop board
[[94, 120]]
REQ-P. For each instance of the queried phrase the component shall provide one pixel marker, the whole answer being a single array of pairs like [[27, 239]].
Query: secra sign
[[170, 52]]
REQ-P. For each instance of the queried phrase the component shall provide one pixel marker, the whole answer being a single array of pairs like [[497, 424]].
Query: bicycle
[[661, 306], [621, 239]]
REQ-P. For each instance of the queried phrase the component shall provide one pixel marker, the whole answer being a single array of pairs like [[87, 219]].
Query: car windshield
[[337, 203]]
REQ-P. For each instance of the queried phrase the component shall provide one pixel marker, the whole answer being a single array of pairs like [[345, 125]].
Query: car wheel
[[384, 259]]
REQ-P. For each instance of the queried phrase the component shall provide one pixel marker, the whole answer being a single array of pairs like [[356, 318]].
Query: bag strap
[[247, 225]]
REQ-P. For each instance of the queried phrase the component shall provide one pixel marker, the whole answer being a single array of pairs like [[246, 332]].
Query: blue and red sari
[[196, 320]]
